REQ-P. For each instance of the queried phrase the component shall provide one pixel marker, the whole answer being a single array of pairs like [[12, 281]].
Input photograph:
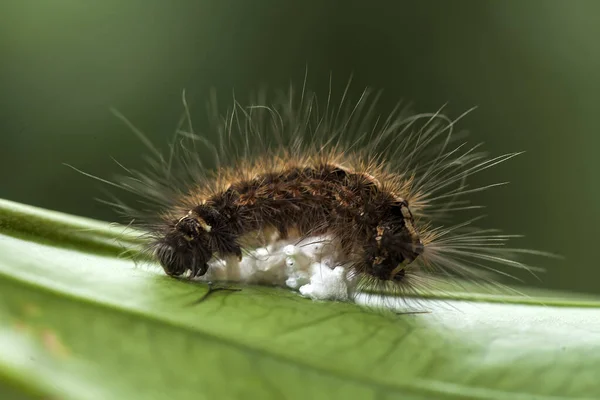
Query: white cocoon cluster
[[309, 267]]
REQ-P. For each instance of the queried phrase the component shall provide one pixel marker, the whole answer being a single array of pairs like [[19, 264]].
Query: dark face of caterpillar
[[393, 246], [193, 239], [388, 253], [185, 247]]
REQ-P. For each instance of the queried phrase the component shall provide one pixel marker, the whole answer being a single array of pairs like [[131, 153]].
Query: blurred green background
[[531, 67]]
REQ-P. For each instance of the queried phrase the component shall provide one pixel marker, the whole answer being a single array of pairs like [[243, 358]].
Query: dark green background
[[532, 68]]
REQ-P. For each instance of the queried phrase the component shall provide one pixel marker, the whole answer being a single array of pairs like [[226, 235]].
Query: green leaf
[[78, 322]]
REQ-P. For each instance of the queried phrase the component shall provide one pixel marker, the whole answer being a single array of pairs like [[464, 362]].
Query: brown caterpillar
[[306, 197], [380, 185]]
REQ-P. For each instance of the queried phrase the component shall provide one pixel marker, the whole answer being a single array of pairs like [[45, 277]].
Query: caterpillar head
[[185, 247], [393, 246]]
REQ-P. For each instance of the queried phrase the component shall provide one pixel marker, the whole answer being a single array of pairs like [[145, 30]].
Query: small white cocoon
[[309, 267], [326, 284]]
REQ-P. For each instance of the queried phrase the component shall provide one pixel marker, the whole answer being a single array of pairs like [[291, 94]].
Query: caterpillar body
[[298, 198], [381, 187]]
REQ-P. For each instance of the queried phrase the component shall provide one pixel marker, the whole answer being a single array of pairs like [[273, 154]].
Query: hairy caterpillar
[[380, 187]]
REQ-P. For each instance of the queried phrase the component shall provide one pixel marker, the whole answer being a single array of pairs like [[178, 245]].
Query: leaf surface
[[78, 322]]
